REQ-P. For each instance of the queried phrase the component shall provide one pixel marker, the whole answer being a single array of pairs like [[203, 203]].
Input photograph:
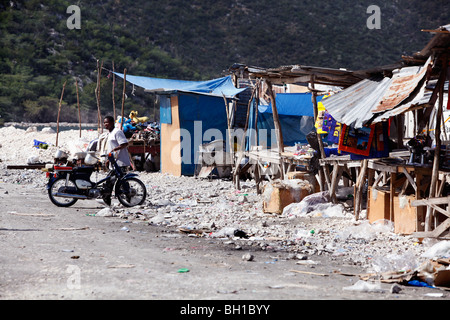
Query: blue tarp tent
[[296, 114], [217, 87], [192, 113]]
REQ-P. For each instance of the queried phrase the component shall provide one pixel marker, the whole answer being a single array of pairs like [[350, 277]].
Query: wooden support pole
[[230, 142], [435, 173], [359, 188], [123, 97], [324, 172], [99, 98], [113, 88], [276, 122], [276, 119], [237, 168], [78, 105], [59, 113]]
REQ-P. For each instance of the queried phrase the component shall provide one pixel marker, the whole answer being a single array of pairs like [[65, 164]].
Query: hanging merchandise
[[357, 141], [332, 127], [379, 147], [320, 117], [334, 132]]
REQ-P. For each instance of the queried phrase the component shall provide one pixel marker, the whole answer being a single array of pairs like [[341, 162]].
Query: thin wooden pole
[[99, 97], [123, 97], [96, 96], [59, 112], [276, 122], [324, 171], [230, 142], [276, 119], [78, 104], [237, 168], [113, 87], [437, 136]]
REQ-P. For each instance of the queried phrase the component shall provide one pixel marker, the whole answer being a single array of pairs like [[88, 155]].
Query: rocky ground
[[213, 208]]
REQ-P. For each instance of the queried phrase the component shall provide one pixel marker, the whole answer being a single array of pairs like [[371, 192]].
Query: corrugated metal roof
[[403, 83], [421, 98], [359, 104], [352, 106]]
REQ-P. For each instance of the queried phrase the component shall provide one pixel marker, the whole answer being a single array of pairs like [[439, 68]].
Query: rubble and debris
[[213, 208]]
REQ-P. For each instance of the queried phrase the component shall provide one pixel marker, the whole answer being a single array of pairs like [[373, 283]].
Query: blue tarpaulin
[[216, 87], [296, 115], [292, 104]]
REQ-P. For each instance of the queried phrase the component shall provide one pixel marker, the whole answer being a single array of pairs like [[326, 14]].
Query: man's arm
[[120, 147]]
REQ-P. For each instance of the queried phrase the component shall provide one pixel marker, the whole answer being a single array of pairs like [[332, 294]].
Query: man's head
[[108, 123]]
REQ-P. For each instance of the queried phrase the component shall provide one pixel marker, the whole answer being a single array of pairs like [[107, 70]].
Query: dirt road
[[55, 253]]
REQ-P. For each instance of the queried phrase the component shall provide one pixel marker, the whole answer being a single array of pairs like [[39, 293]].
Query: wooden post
[[359, 187], [113, 87], [276, 119], [324, 171], [98, 98], [78, 104], [437, 133], [59, 112], [230, 142], [123, 96], [237, 168], [276, 122]]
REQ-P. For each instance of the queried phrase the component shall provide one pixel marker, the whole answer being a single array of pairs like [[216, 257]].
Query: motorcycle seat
[[59, 168]]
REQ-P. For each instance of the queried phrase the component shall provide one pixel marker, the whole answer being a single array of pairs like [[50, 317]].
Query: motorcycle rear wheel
[[58, 186], [131, 192]]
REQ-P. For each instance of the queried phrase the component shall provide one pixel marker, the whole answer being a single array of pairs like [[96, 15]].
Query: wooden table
[[401, 177], [341, 165], [271, 164], [439, 204]]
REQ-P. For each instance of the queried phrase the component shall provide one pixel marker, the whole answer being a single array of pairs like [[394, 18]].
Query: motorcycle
[[67, 185]]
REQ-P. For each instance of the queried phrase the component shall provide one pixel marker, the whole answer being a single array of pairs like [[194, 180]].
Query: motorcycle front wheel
[[59, 186], [131, 192]]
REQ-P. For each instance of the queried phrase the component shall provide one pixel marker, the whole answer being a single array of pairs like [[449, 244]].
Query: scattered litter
[[32, 214], [439, 250], [247, 257], [395, 289], [364, 286], [417, 283], [183, 270], [105, 212], [72, 229], [310, 273], [122, 266], [434, 295], [307, 262]]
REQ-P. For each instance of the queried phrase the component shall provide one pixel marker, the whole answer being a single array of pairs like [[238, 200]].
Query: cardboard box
[[311, 178], [378, 205], [279, 195], [279, 198], [407, 219]]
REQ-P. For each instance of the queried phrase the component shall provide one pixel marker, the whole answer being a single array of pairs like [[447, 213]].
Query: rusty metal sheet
[[404, 82]]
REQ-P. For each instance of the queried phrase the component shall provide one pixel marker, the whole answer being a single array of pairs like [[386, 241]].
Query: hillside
[[186, 40]]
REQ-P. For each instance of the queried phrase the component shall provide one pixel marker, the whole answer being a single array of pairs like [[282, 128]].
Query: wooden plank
[[334, 182], [424, 202], [436, 233], [26, 166], [410, 179]]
